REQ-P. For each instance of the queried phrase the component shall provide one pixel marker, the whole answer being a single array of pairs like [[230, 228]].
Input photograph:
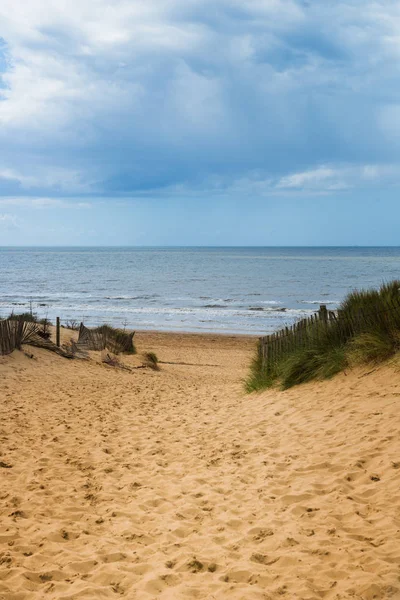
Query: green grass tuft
[[310, 364], [151, 361], [370, 347], [120, 340], [258, 378], [366, 329], [28, 317]]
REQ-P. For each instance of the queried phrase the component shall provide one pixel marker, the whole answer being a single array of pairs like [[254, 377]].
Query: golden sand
[[176, 485]]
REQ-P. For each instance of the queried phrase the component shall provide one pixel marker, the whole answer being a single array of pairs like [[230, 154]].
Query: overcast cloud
[[196, 102]]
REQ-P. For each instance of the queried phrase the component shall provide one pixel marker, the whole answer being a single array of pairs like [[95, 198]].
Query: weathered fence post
[[58, 331], [265, 355], [264, 350], [323, 313]]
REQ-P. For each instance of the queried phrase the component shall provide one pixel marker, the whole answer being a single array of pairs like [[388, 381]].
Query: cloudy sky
[[199, 122]]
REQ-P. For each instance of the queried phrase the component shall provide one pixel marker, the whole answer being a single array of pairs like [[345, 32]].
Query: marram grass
[[367, 330]]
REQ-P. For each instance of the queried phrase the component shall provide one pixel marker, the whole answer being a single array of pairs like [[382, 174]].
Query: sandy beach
[[175, 484]]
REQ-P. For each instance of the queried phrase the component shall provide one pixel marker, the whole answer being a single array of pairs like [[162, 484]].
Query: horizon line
[[200, 246]]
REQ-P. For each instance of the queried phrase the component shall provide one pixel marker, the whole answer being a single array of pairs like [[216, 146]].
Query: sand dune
[[176, 485]]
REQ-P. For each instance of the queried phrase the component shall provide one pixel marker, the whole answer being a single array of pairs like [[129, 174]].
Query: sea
[[252, 290]]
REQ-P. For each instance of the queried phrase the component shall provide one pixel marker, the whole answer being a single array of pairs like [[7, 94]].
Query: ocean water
[[232, 290]]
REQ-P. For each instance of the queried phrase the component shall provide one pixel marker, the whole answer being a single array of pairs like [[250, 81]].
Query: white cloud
[[40, 203], [190, 90], [12, 175], [321, 180], [47, 177], [326, 178], [8, 221], [310, 179]]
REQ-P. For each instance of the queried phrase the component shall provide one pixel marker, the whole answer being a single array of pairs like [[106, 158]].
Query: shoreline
[[172, 337], [199, 334]]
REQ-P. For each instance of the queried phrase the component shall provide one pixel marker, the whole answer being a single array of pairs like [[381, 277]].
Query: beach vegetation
[[72, 324], [365, 329], [259, 378], [314, 363], [120, 339], [116, 340], [374, 346], [151, 361], [29, 317]]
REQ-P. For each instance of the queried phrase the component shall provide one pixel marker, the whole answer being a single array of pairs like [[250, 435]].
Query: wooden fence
[[14, 333], [100, 338], [334, 325], [288, 339]]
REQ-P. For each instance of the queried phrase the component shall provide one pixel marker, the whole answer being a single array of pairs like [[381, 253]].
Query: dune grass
[[151, 361], [370, 347], [31, 317], [259, 378], [367, 330], [28, 317], [118, 340]]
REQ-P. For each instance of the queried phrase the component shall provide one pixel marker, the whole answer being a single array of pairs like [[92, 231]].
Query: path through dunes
[[176, 485]]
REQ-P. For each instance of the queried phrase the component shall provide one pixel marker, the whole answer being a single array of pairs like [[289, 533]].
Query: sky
[[199, 122]]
